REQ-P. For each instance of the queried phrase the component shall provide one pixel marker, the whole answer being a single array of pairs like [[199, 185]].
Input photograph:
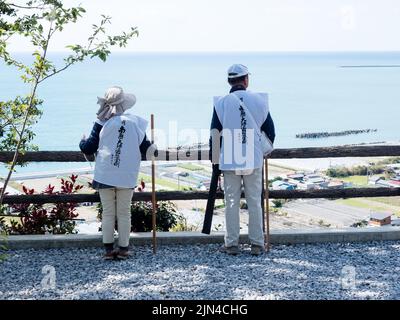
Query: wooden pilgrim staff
[[267, 235], [153, 187]]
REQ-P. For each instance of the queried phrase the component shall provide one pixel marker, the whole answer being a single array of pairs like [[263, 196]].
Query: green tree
[[38, 21]]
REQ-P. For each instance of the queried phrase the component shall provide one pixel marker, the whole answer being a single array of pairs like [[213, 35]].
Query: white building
[[375, 180]]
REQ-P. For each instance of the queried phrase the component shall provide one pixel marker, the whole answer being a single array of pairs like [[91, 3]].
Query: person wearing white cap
[[239, 119], [119, 140]]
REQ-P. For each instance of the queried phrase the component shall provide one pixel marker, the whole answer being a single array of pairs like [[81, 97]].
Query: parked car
[[183, 174]]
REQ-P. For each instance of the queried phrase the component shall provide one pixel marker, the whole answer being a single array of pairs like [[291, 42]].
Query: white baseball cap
[[237, 70]]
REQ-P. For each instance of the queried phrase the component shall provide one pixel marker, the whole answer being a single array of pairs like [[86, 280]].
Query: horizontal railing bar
[[199, 195], [58, 219], [193, 155]]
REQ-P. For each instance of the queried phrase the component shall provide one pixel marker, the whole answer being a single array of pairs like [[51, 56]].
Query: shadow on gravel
[[201, 272]]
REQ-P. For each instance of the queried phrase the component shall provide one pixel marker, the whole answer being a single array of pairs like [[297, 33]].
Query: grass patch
[[190, 166], [144, 177], [358, 203], [281, 166], [160, 182], [392, 201], [166, 183], [356, 180]]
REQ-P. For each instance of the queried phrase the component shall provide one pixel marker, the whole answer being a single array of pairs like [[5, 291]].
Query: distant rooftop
[[380, 215]]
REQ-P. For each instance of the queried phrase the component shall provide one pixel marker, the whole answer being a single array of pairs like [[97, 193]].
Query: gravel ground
[[322, 271]]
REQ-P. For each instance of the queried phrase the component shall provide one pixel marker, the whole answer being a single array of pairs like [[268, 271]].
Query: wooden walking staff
[[153, 187], [267, 235]]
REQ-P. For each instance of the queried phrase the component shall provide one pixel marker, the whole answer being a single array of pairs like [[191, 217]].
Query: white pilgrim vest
[[241, 146], [118, 156]]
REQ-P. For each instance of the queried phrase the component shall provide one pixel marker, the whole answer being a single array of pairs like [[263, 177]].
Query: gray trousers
[[252, 189]]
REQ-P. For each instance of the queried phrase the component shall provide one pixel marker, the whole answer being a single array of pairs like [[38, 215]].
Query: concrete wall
[[169, 238]]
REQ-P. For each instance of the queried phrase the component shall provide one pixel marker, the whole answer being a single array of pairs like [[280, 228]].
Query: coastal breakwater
[[372, 66], [317, 135]]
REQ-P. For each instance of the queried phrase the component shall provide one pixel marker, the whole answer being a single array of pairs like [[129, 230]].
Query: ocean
[[308, 92]]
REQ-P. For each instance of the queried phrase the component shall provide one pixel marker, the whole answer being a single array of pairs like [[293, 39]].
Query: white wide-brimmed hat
[[115, 102]]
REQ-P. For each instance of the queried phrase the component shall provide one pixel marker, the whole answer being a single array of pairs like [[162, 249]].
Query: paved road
[[329, 211]]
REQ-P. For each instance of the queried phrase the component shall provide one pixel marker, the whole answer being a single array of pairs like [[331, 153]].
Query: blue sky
[[251, 25]]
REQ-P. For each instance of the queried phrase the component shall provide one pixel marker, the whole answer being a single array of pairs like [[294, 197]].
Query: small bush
[[3, 243], [182, 225], [243, 205], [322, 223], [278, 203], [360, 224], [391, 160], [38, 219], [141, 216], [342, 172], [4, 228], [217, 227], [339, 172], [273, 180], [219, 206], [273, 210]]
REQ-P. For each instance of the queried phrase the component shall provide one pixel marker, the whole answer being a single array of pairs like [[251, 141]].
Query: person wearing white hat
[[118, 139], [239, 119]]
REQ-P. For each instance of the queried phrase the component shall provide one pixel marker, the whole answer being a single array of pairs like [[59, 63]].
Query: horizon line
[[227, 52]]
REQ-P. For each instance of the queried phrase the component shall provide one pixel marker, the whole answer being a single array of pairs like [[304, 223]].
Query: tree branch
[[26, 7], [11, 61], [5, 124], [7, 38], [10, 122], [78, 57], [55, 72]]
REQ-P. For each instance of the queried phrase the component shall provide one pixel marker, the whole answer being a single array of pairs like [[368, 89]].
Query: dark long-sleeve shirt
[[268, 126], [91, 144]]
